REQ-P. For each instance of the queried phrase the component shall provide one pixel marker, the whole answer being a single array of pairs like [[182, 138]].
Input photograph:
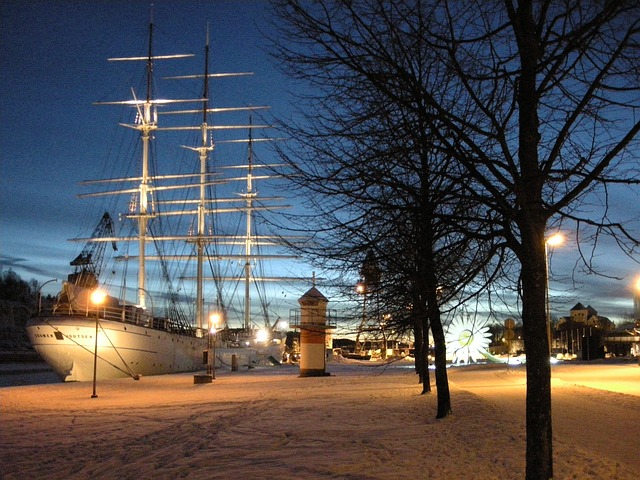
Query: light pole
[[383, 325], [636, 300], [636, 311], [97, 297], [40, 293], [554, 240], [214, 321], [362, 290]]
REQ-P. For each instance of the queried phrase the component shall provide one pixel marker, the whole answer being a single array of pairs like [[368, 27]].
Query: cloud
[[23, 267]]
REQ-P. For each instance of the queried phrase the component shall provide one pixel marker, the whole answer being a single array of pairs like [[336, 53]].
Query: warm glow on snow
[[366, 420]]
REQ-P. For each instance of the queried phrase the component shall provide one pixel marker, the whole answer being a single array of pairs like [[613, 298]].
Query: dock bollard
[[234, 363]]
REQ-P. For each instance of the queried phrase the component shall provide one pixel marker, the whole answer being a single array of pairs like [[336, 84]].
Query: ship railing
[[139, 316], [126, 314], [130, 314]]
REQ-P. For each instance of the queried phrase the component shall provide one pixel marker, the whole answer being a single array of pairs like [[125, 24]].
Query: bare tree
[[367, 157], [536, 100], [551, 90]]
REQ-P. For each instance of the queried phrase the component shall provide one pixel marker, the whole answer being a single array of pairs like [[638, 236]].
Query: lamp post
[[636, 300], [636, 310], [214, 321], [554, 240], [97, 297], [362, 290], [383, 325], [40, 293]]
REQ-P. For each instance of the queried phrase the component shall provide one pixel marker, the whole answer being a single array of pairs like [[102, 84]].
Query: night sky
[[53, 67]]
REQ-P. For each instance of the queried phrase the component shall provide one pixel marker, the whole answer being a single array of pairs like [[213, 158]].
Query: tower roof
[[578, 306], [313, 294]]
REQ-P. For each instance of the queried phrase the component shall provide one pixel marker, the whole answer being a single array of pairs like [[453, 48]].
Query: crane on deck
[[88, 264]]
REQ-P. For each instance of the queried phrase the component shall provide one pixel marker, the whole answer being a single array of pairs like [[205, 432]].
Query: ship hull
[[67, 344]]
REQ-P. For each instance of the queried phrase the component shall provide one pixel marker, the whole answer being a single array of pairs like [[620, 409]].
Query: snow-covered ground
[[365, 421]]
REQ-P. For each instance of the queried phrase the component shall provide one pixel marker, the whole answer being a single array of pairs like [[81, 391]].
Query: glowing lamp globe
[[98, 297]]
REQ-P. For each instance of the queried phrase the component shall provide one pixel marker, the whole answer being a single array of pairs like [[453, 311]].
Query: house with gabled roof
[[580, 335]]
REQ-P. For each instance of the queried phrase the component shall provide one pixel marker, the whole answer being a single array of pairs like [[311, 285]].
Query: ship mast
[[249, 196], [203, 153], [146, 125], [143, 188], [207, 145]]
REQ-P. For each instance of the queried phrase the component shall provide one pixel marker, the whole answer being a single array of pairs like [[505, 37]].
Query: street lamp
[[40, 293], [362, 290], [636, 309], [552, 241], [636, 300], [383, 325], [97, 298], [214, 321]]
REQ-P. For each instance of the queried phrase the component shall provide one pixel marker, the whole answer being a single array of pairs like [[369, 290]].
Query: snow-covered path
[[363, 422], [596, 408]]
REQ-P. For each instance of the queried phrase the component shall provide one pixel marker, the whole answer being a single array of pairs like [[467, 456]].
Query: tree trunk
[[417, 349], [433, 322], [536, 342], [421, 344], [532, 221], [426, 376], [442, 379], [440, 345]]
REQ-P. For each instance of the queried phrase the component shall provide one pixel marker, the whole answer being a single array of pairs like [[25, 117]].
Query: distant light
[[262, 336], [214, 321], [360, 288], [555, 240]]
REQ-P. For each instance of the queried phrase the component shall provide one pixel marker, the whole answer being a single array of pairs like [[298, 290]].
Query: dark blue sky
[[54, 67], [53, 64]]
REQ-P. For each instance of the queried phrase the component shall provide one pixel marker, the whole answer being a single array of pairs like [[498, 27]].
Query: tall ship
[[195, 228]]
